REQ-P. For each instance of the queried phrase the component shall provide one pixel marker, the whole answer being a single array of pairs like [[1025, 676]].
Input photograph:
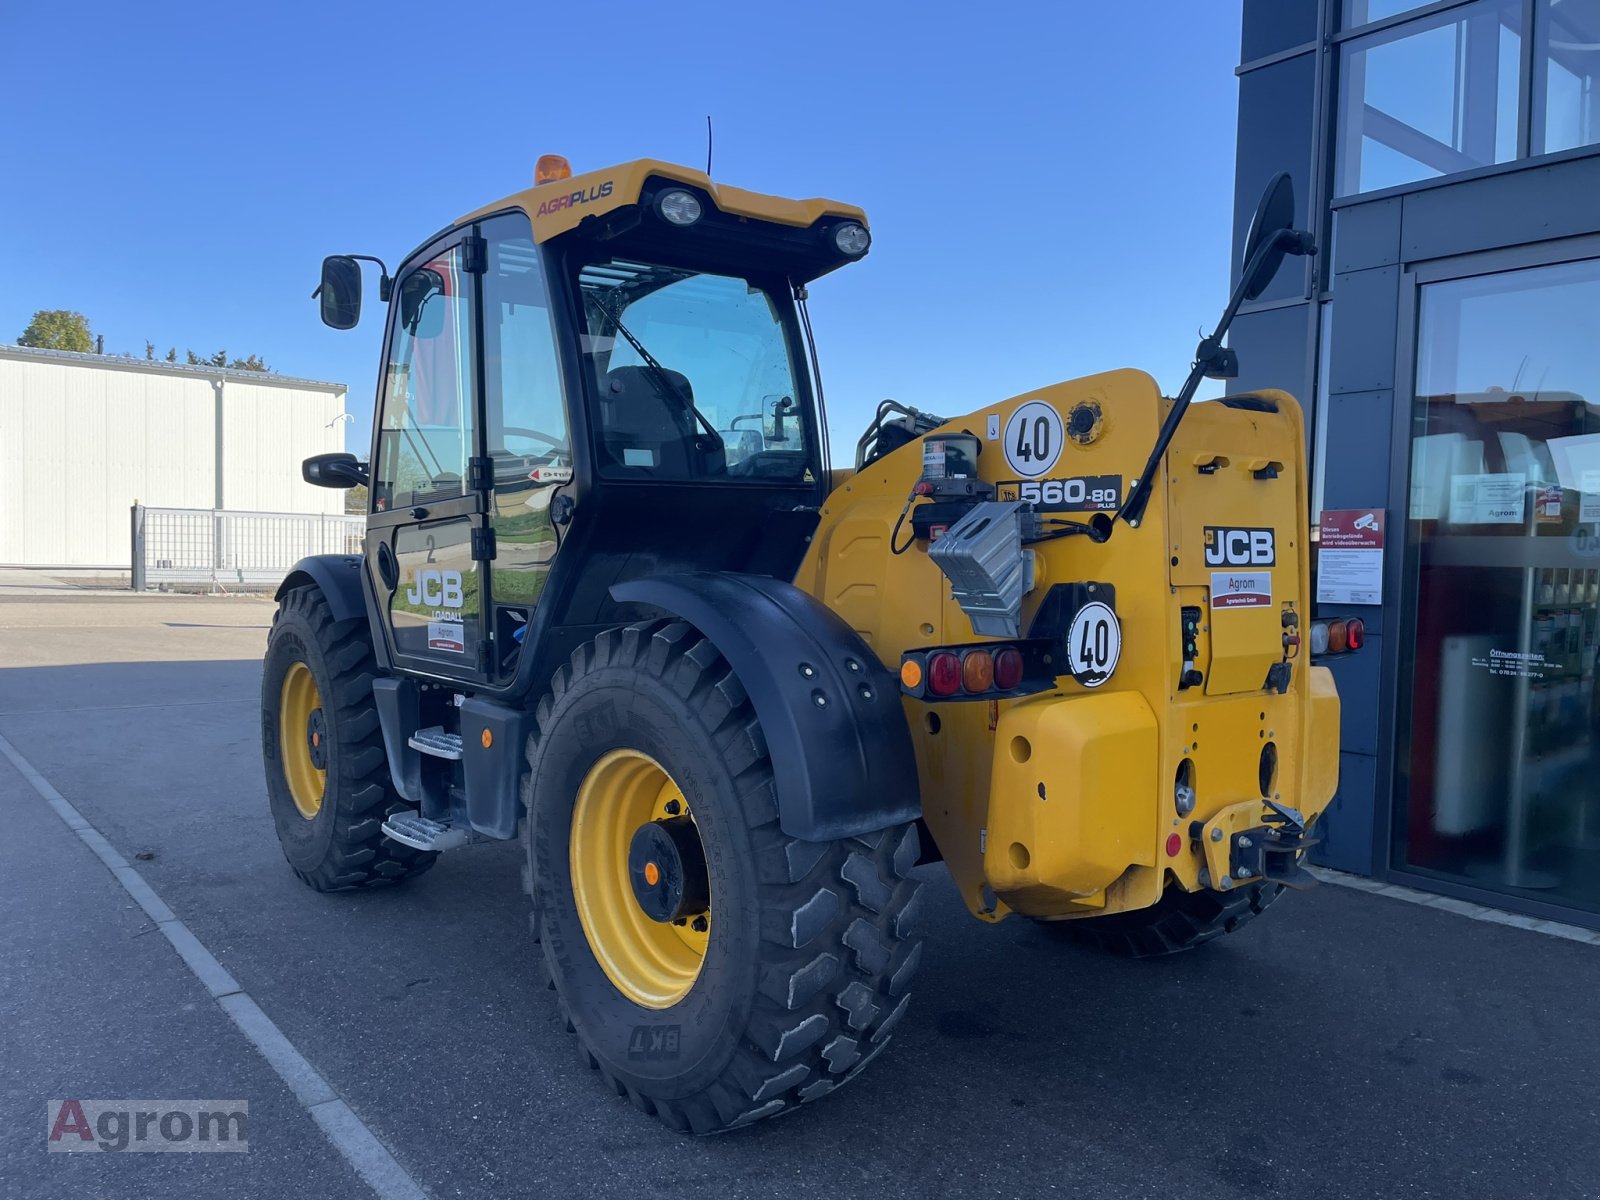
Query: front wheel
[[327, 773], [713, 969]]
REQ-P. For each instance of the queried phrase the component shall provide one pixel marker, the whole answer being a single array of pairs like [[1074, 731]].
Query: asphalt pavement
[[1345, 1045]]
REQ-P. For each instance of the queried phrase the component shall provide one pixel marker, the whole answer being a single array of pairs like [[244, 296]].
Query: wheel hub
[[667, 868], [317, 739]]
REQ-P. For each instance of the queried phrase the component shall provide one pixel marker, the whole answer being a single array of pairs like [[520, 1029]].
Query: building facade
[[84, 436], [1447, 343]]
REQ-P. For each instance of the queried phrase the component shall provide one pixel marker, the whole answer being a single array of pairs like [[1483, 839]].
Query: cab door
[[426, 532]]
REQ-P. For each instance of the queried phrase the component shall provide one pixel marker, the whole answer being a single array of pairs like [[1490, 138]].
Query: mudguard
[[339, 578], [829, 710]]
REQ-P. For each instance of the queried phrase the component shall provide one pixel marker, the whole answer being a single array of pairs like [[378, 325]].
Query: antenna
[[708, 145]]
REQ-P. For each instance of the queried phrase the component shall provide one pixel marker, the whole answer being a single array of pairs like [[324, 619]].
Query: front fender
[[338, 576], [830, 711]]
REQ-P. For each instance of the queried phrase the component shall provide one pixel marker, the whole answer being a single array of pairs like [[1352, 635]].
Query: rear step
[[411, 828], [435, 741]]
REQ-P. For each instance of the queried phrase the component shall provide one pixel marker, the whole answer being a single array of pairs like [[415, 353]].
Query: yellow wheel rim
[[652, 963], [303, 739]]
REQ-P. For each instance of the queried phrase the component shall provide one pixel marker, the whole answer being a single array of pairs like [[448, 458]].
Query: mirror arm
[[1210, 354], [384, 281]]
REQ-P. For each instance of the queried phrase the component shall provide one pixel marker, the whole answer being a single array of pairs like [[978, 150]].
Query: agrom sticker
[[1241, 589], [1094, 643], [447, 636]]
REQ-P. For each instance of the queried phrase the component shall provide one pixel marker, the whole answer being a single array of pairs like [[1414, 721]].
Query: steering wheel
[[555, 443]]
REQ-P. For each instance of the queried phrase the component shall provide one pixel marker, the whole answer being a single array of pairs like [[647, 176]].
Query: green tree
[[58, 329], [221, 359]]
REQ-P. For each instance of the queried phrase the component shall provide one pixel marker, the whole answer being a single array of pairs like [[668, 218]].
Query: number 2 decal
[[1033, 439]]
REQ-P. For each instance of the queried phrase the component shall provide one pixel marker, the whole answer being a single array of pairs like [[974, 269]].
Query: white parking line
[[1462, 908], [346, 1131]]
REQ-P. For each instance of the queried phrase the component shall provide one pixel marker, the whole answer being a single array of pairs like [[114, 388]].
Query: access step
[[413, 829], [435, 741]]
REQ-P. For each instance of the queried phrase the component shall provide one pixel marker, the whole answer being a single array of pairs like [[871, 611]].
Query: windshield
[[692, 376]]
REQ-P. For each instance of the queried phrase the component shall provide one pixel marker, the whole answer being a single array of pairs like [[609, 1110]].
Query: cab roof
[[558, 207]]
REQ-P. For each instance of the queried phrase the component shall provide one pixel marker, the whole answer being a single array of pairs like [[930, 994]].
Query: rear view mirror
[[1269, 228], [340, 291], [336, 470]]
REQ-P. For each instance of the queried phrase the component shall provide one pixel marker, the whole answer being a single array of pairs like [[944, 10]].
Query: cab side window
[[425, 438], [526, 432], [527, 416]]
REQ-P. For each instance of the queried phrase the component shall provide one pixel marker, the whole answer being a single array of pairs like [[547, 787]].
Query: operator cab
[[602, 379]]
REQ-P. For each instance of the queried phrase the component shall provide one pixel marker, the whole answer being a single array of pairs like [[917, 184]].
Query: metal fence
[[189, 546]]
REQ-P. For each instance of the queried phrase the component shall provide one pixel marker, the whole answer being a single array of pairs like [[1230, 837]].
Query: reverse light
[[679, 207], [944, 673], [551, 168], [851, 239]]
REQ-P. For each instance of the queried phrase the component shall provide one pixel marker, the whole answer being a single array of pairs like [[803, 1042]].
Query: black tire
[[343, 845], [1180, 920], [812, 947]]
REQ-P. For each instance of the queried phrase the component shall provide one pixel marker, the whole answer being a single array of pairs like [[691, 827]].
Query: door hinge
[[480, 473], [483, 545], [474, 255]]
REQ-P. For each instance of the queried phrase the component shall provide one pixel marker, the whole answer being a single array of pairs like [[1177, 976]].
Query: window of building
[[1504, 514], [1567, 68], [1360, 12], [1430, 97]]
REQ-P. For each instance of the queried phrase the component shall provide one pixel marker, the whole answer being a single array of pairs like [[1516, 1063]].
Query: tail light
[[985, 671], [1337, 636], [1008, 667], [944, 673]]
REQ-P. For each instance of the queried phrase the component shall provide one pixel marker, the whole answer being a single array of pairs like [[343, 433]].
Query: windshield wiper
[[665, 384]]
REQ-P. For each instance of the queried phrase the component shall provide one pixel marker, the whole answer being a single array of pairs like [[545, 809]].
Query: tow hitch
[[1240, 845]]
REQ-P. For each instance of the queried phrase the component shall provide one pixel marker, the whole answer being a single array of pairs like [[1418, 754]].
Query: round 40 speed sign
[[1094, 643], [1033, 439]]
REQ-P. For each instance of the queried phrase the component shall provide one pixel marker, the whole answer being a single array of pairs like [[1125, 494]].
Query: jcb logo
[[1239, 547], [436, 589]]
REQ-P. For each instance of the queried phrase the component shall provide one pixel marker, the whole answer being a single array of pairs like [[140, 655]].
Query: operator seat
[[642, 431]]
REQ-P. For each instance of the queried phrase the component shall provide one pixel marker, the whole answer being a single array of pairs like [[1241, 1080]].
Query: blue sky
[[1049, 185]]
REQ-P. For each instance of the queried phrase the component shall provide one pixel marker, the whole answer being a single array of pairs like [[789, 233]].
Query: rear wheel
[[327, 773], [713, 969], [1180, 920]]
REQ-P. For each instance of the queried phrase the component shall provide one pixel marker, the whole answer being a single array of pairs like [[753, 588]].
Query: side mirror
[[336, 470], [1272, 235], [340, 291]]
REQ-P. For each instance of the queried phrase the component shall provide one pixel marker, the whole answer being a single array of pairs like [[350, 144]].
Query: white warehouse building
[[85, 436]]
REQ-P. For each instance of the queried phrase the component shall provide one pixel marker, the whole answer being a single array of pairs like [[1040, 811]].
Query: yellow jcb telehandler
[[615, 599]]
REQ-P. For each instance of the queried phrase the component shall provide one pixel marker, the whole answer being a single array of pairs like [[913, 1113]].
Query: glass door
[[1502, 786]]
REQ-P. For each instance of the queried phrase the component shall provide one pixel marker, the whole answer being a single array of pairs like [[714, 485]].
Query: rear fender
[[830, 711]]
